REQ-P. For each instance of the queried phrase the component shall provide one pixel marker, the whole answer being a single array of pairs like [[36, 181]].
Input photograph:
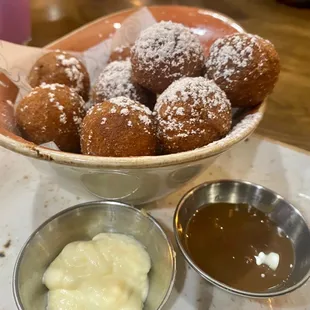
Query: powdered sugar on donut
[[125, 102], [126, 108], [115, 80], [76, 100], [121, 127], [75, 97], [167, 45], [72, 69], [53, 86], [189, 103], [53, 113], [231, 54], [197, 89]]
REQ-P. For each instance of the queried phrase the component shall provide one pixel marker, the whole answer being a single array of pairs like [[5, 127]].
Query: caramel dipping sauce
[[223, 240]]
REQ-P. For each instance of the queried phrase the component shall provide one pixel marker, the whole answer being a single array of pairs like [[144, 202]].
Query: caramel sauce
[[223, 240]]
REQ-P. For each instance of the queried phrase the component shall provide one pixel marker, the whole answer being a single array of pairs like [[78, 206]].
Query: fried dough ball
[[164, 53], [52, 112], [115, 81], [245, 66], [191, 113], [119, 127], [62, 68]]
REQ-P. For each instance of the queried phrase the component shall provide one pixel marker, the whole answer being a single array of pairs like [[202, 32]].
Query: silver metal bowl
[[285, 215], [82, 222]]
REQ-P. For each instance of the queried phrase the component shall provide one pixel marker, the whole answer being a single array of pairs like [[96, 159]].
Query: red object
[[15, 25]]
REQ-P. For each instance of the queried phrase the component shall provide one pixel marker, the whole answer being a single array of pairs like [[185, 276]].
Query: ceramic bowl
[[140, 179], [281, 212], [83, 222]]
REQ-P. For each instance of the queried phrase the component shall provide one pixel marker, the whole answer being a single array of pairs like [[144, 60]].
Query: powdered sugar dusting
[[124, 111], [63, 118], [115, 80], [74, 96], [33, 92], [194, 89], [145, 119], [179, 111], [77, 120], [59, 106], [89, 140], [24, 108], [231, 54], [72, 69], [127, 108], [77, 99], [53, 86], [125, 102], [167, 45], [53, 97], [199, 99]]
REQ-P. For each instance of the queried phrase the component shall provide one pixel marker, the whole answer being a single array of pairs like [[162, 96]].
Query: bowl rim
[[19, 145], [85, 205], [212, 280]]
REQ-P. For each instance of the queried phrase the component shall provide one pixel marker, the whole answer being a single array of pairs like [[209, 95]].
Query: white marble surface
[[28, 198]]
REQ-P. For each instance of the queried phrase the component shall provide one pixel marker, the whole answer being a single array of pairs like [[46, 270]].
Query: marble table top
[[29, 198]]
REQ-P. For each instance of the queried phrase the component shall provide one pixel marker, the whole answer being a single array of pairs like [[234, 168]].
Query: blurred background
[[53, 18], [285, 22]]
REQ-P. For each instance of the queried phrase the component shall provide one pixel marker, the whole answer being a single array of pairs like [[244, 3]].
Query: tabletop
[[288, 114], [40, 196]]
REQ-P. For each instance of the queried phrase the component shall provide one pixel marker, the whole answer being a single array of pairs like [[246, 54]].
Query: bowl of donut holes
[[189, 88]]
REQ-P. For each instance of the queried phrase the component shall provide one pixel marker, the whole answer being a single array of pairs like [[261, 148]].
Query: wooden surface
[[288, 115]]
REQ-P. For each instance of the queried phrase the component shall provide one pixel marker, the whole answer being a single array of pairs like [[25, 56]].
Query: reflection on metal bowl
[[281, 212]]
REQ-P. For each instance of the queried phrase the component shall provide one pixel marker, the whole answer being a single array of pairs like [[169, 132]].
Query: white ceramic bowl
[[135, 180]]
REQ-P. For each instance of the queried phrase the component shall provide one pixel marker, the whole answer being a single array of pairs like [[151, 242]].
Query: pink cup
[[15, 25]]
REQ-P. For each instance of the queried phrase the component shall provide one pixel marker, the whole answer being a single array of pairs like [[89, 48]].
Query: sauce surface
[[108, 272], [223, 240]]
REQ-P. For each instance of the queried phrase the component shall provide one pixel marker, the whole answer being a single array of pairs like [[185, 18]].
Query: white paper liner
[[50, 145]]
